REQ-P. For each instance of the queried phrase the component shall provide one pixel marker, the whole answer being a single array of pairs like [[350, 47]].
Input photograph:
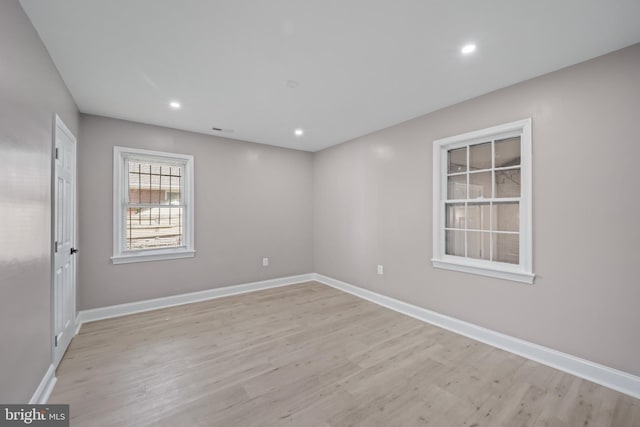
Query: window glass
[[506, 216], [479, 216], [480, 185], [480, 156], [478, 245], [154, 184], [507, 152], [508, 183], [506, 248], [457, 187], [455, 242], [455, 215], [458, 160]]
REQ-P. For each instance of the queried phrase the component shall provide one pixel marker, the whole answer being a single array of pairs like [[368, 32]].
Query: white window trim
[[120, 255], [519, 273]]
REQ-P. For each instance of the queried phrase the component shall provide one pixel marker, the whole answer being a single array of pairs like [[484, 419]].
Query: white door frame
[[58, 124]]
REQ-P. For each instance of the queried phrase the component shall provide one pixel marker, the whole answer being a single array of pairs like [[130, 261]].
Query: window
[[152, 205], [482, 202]]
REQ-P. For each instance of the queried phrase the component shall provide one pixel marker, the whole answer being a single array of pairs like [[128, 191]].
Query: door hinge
[[55, 246], [55, 338], [56, 153]]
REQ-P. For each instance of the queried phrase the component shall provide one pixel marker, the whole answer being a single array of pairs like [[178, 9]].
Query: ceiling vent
[[223, 130]]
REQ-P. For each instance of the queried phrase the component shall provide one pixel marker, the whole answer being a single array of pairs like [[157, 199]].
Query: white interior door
[[64, 234]]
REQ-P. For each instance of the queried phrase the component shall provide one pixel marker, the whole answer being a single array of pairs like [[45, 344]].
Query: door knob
[[73, 251]]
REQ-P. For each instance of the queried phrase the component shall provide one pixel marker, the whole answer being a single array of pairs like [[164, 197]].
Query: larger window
[[152, 205], [482, 202]]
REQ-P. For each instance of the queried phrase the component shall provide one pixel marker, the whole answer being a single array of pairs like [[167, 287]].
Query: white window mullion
[[466, 206], [124, 197], [493, 196], [442, 156]]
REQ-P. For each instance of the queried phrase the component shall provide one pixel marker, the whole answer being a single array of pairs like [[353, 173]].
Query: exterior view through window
[[154, 210]]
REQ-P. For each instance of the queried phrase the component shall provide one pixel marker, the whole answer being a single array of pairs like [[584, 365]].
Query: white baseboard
[[45, 387], [78, 325], [101, 313], [600, 374]]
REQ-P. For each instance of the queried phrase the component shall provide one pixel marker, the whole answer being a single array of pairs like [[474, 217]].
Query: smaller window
[[482, 202], [152, 205]]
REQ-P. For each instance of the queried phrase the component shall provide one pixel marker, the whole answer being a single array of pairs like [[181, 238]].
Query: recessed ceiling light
[[468, 48], [175, 105], [298, 132]]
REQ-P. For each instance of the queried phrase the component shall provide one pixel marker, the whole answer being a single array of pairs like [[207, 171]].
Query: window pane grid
[[153, 206], [159, 234], [153, 183], [480, 188]]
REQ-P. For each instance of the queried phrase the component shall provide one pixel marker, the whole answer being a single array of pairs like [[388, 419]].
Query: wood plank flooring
[[310, 355]]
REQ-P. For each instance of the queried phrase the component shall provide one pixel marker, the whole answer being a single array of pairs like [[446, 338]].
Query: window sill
[[507, 274], [152, 256]]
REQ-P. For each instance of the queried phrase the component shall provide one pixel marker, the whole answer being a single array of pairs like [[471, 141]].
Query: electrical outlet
[[380, 270], [265, 262]]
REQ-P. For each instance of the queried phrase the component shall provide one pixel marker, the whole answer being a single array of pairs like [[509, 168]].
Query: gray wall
[[30, 92], [372, 205], [252, 201]]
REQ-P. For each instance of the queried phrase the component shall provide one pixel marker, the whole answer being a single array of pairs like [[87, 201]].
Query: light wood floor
[[309, 355]]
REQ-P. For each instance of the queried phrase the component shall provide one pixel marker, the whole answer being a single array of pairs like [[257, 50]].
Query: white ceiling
[[361, 65]]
